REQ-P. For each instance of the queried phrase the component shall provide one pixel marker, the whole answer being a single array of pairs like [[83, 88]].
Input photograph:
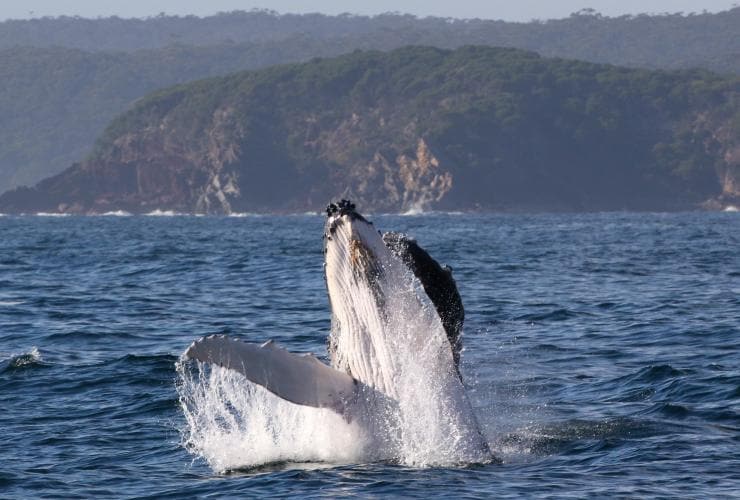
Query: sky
[[510, 10]]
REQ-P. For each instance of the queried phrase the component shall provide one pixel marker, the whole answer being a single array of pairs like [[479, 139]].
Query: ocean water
[[602, 352]]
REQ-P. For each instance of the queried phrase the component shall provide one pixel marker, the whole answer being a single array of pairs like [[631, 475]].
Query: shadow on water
[[572, 436]]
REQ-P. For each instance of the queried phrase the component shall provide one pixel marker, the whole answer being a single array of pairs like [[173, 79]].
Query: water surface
[[601, 350]]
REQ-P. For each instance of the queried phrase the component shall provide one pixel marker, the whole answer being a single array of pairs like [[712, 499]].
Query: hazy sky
[[512, 10]]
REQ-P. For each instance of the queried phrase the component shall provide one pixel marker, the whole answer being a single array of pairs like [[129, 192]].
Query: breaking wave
[[116, 213], [163, 213], [241, 215], [415, 209]]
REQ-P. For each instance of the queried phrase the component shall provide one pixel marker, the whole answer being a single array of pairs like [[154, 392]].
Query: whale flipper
[[298, 378]]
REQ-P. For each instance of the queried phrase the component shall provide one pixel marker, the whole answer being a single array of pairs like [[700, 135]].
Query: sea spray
[[234, 424]]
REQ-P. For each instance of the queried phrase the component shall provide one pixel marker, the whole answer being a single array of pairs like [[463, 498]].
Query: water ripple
[[601, 351]]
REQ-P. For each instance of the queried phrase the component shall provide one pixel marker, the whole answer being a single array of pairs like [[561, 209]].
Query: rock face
[[411, 130], [411, 181]]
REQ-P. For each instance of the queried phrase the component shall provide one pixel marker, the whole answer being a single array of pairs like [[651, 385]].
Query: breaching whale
[[394, 346]]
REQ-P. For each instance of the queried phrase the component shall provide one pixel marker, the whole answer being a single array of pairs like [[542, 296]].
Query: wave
[[116, 213], [51, 214], [241, 215], [21, 361], [164, 213], [10, 303], [731, 208], [415, 209]]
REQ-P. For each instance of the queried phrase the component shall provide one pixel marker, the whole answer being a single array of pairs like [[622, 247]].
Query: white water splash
[[730, 208], [116, 213], [51, 214], [417, 208], [233, 424], [163, 213], [241, 215], [10, 303]]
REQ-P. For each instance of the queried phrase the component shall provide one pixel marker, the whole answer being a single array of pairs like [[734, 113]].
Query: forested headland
[[476, 128], [65, 78]]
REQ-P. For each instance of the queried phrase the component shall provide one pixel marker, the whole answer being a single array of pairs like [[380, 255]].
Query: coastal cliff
[[414, 129]]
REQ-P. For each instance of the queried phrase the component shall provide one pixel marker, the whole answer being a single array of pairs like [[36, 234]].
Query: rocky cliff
[[414, 129]]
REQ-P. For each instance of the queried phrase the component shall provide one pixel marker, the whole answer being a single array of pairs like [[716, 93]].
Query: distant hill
[[65, 78], [472, 129], [664, 41], [56, 101]]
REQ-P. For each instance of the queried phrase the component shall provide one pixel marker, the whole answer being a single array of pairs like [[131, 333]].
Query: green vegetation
[[665, 41], [65, 78], [474, 128]]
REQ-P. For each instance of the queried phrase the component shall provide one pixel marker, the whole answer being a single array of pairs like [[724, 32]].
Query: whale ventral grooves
[[436, 279]]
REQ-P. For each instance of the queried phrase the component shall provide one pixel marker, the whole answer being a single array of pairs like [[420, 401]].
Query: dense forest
[[476, 128], [65, 78], [665, 41], [56, 101]]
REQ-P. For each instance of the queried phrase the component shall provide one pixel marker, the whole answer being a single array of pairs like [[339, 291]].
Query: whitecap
[[731, 208], [416, 208], [10, 303], [116, 213], [163, 213], [51, 214]]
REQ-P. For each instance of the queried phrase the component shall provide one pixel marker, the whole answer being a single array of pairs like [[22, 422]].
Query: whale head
[[388, 332], [356, 265]]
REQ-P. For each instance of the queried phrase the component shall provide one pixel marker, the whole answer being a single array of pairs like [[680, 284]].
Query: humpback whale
[[394, 346]]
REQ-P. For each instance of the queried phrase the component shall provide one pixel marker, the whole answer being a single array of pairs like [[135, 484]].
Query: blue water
[[602, 351]]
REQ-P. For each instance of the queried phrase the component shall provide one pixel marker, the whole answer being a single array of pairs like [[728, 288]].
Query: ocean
[[602, 353]]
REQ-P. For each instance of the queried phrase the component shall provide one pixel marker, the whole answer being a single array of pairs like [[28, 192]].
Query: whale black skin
[[438, 284], [436, 279]]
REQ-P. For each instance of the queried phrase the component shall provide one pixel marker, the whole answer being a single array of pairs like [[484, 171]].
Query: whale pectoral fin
[[298, 378]]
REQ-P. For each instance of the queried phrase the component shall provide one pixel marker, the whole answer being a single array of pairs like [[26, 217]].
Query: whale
[[393, 348]]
